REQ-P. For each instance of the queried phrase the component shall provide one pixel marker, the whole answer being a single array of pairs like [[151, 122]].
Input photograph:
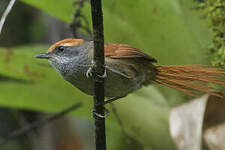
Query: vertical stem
[[99, 59]]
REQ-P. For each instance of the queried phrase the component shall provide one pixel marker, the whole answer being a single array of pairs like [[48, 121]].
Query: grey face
[[62, 57], [61, 54], [64, 54]]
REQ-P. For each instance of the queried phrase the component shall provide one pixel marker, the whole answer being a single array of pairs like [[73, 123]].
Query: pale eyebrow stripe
[[66, 42]]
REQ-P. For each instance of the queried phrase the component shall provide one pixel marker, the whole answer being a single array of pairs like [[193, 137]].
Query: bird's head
[[63, 54], [62, 49]]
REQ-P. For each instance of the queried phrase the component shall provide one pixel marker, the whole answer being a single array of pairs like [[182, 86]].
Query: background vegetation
[[172, 31]]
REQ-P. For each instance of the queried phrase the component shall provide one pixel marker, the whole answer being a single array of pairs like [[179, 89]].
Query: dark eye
[[61, 48]]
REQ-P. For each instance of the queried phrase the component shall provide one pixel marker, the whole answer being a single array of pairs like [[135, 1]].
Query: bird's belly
[[115, 84]]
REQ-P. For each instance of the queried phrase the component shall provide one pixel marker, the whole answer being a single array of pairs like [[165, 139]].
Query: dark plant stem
[[99, 61]]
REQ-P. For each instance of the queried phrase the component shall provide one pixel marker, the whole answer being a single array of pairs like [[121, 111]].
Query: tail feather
[[191, 79]]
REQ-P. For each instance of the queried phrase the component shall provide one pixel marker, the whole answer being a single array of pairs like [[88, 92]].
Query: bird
[[128, 69]]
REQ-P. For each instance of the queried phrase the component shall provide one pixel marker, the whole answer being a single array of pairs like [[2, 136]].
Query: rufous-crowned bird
[[127, 69]]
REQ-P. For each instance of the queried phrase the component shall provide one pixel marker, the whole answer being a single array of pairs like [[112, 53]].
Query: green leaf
[[146, 118], [62, 9], [170, 30], [27, 82], [163, 29]]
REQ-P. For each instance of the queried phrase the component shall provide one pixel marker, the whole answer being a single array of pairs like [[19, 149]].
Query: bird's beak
[[43, 56]]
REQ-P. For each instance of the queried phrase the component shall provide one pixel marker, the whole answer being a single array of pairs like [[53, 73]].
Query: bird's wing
[[122, 70], [120, 53], [114, 50]]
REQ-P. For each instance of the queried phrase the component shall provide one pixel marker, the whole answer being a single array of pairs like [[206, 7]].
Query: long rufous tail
[[191, 79]]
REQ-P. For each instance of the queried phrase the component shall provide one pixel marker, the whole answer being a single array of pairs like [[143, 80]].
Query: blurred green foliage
[[61, 9], [214, 10], [169, 30]]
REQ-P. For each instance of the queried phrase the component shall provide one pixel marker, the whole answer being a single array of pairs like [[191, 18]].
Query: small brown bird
[[128, 69]]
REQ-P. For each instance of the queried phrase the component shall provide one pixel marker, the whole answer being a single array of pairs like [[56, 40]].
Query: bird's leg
[[106, 111], [91, 71], [112, 99]]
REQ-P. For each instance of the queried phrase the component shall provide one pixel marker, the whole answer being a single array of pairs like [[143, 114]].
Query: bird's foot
[[98, 115], [91, 70], [104, 75]]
